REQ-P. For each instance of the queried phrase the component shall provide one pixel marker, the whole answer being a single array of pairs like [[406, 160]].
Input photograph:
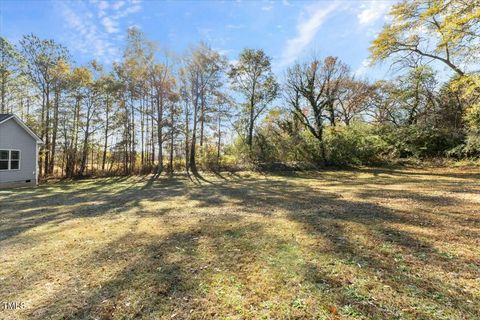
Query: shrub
[[356, 144], [422, 142]]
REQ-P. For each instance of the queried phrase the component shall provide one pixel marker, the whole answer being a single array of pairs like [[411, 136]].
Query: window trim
[[9, 160]]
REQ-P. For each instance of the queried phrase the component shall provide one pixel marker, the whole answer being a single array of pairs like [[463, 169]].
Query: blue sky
[[286, 30]]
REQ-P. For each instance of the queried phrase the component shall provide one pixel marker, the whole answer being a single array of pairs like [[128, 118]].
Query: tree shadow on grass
[[66, 201], [175, 275], [427, 291], [159, 278], [140, 289], [252, 194]]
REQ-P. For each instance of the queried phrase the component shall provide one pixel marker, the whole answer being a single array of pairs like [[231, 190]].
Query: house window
[[9, 159], [14, 160], [4, 159]]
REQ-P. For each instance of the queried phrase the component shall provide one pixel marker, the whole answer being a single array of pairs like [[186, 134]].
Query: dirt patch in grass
[[358, 244]]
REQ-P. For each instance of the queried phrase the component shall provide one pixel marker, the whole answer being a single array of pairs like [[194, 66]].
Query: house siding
[[13, 136]]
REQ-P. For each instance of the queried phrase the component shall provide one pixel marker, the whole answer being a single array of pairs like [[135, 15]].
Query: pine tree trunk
[[160, 131], [105, 143]]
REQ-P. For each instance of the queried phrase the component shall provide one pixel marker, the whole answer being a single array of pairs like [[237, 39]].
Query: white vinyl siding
[[14, 137]]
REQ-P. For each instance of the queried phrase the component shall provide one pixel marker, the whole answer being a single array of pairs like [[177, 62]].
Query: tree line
[[154, 111]]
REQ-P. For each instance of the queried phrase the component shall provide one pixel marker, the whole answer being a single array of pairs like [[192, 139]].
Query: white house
[[18, 152]]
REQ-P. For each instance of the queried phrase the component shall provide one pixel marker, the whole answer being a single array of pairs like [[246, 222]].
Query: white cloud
[[94, 27], [235, 26], [134, 7], [102, 5], [363, 68], [111, 25], [223, 52], [117, 5], [86, 38], [307, 28], [119, 10], [268, 5], [373, 11]]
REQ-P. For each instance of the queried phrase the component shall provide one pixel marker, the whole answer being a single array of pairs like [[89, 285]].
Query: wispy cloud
[[116, 11], [373, 11], [117, 5], [94, 27], [235, 26], [309, 23], [110, 25], [223, 52], [363, 68], [213, 37]]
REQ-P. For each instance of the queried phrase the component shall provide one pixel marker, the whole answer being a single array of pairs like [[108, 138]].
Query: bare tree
[[352, 99], [311, 90]]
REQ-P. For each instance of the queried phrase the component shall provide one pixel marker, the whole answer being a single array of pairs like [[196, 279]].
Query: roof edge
[[8, 118], [24, 126]]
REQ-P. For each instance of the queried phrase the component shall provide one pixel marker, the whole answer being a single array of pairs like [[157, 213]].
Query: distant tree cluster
[[155, 112]]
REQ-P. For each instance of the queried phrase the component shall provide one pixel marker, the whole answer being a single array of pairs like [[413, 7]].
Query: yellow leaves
[[273, 115], [472, 116], [469, 86], [164, 80], [62, 67], [435, 8], [400, 10], [384, 43], [82, 76], [432, 25], [60, 71], [135, 69]]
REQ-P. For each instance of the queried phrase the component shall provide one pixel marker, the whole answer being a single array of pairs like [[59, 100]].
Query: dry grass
[[363, 244]]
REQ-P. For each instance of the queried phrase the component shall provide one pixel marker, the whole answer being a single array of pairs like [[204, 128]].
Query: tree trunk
[[85, 150], [187, 131], [323, 157], [42, 126], [219, 133], [251, 118], [331, 111], [192, 163], [202, 117], [105, 143], [250, 126], [172, 128], [54, 132], [47, 132], [132, 133], [142, 133], [160, 131], [75, 137], [152, 131]]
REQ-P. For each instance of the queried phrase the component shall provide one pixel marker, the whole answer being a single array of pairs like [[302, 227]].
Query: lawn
[[353, 244]]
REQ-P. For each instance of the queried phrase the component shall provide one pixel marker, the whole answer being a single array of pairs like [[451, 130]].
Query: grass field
[[359, 244]]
